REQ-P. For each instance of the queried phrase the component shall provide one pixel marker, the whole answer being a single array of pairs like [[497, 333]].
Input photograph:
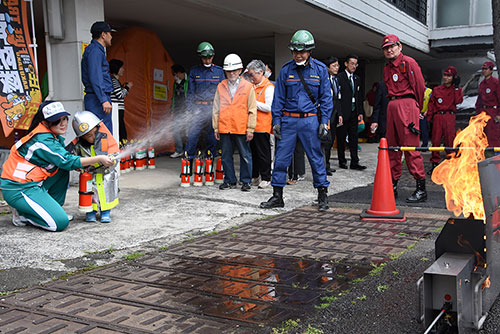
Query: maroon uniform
[[405, 86], [488, 100], [442, 109]]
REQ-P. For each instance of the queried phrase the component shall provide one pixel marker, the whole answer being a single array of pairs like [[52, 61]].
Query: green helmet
[[205, 49], [302, 40]]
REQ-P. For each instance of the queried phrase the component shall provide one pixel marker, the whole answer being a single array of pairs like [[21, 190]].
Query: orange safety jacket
[[264, 119], [233, 116], [18, 169]]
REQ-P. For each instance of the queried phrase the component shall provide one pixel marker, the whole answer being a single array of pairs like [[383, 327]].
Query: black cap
[[100, 27]]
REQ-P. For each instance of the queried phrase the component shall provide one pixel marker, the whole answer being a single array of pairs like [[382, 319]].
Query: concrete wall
[[78, 16], [380, 16]]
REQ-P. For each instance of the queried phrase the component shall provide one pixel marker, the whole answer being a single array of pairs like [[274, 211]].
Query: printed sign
[[160, 92], [158, 75], [20, 93]]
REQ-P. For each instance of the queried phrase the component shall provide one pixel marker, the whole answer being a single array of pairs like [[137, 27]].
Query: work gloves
[[413, 129], [323, 131], [277, 131]]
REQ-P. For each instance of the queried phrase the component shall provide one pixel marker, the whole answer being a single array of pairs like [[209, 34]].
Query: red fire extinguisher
[[85, 191], [219, 171], [209, 170], [186, 172], [198, 171], [151, 156]]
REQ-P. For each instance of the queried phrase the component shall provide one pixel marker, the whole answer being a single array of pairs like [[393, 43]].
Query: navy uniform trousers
[[306, 130]]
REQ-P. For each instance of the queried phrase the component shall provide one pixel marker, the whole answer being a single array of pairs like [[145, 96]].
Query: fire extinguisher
[[139, 159], [219, 171], [186, 172], [151, 156], [144, 155], [85, 191], [198, 171], [123, 161], [209, 170]]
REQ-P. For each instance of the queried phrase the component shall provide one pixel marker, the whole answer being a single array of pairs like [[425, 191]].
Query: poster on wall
[[160, 92], [20, 93]]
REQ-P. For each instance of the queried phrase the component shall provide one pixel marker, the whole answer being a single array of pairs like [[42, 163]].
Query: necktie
[[353, 106]]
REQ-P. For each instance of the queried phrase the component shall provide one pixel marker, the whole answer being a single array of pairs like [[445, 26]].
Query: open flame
[[459, 174], [486, 284]]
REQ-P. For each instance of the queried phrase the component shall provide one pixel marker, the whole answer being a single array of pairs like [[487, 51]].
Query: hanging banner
[[20, 93]]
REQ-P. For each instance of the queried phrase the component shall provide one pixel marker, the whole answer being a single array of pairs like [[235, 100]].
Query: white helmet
[[232, 62], [83, 122]]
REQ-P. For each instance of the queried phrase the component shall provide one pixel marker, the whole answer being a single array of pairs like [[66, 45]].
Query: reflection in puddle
[[264, 290]]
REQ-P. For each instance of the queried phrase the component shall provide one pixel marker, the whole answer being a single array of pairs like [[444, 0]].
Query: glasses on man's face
[[353, 64]]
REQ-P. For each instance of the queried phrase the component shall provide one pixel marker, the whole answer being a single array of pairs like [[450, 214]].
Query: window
[[451, 13], [415, 8]]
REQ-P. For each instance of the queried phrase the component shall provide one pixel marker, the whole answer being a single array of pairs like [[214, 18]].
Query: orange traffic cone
[[383, 205]]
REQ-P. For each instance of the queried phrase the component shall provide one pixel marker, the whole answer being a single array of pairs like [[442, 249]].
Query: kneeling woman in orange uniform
[[35, 177]]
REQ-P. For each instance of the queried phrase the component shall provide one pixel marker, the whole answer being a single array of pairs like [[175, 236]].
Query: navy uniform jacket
[[95, 72], [291, 96], [202, 84]]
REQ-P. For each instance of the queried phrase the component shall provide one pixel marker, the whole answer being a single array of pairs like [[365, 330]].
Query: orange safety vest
[[264, 119], [108, 142], [233, 117], [18, 169]]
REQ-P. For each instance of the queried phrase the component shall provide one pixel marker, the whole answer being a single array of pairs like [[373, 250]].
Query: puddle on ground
[[265, 290]]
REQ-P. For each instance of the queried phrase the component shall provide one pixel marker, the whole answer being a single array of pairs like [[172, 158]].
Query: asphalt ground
[[200, 260]]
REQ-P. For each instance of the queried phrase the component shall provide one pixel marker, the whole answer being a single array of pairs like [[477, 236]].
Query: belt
[[204, 102], [95, 93], [406, 96], [299, 114], [488, 107], [447, 112]]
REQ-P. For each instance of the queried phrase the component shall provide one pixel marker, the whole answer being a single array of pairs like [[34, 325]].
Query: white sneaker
[[175, 155], [70, 217], [264, 184], [301, 177], [255, 181], [18, 220]]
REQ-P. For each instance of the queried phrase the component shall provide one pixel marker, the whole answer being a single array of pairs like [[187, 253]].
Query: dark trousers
[[424, 132], [298, 165], [327, 145], [261, 156], [350, 128], [123, 129], [228, 143]]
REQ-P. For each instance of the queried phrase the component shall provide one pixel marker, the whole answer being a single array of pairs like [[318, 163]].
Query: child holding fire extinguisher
[[93, 138], [35, 176]]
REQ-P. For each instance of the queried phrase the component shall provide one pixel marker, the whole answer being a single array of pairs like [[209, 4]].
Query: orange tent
[[148, 66]]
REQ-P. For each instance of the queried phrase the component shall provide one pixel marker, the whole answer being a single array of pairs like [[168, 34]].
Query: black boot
[[276, 201], [434, 165], [322, 199], [419, 195], [395, 188]]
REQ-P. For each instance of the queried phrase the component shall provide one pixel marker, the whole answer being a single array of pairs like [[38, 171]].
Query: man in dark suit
[[332, 64], [350, 112], [379, 117]]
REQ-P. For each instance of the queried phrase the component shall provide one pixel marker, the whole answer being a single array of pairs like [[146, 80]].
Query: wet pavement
[[244, 280]]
